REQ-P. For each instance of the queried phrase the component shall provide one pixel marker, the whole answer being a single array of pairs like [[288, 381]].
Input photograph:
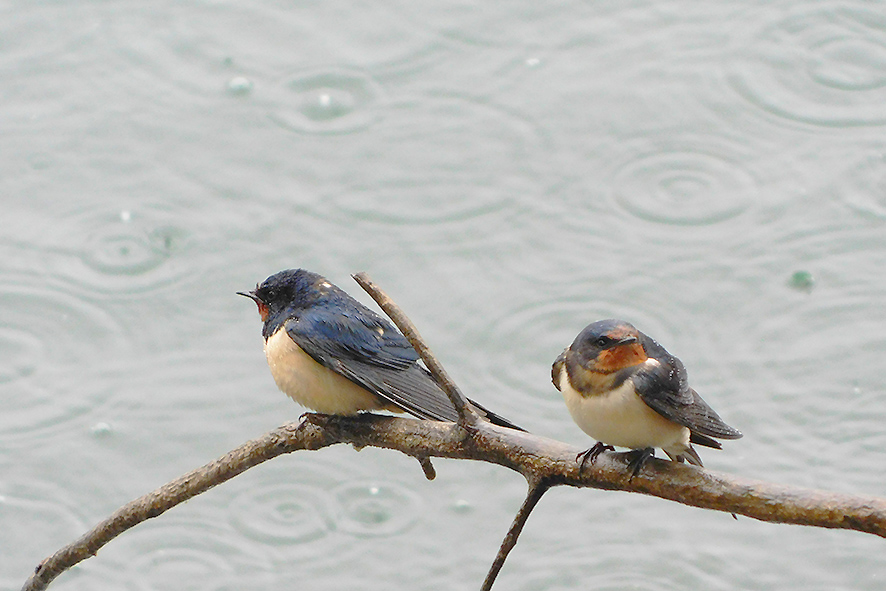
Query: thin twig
[[537, 488], [466, 415]]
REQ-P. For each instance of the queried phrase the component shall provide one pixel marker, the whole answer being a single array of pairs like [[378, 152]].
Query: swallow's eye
[[601, 342]]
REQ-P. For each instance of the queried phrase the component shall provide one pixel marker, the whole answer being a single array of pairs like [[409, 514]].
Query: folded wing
[[370, 352], [664, 388]]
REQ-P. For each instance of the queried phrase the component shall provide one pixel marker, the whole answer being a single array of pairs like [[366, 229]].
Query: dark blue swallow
[[332, 354]]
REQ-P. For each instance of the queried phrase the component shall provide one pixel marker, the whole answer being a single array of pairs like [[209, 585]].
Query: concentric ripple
[[683, 185], [120, 251], [125, 250], [186, 555], [375, 510], [281, 514], [328, 101], [460, 158], [50, 337], [824, 64], [185, 60]]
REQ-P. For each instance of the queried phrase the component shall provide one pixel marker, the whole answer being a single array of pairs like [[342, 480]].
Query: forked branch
[[543, 462]]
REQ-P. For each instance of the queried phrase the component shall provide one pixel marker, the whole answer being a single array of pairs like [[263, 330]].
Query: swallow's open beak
[[262, 307]]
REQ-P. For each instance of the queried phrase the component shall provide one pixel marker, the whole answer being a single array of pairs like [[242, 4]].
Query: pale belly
[[622, 419], [312, 385]]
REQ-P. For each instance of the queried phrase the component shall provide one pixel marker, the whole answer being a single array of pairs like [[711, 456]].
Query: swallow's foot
[[639, 458], [590, 455]]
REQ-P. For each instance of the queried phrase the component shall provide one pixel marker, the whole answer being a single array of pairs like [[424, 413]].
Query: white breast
[[312, 385], [621, 418]]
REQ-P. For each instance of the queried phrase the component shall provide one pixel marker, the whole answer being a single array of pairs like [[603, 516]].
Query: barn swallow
[[624, 389], [332, 354]]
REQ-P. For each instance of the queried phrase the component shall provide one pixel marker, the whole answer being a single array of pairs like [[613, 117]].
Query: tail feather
[[494, 418], [699, 439]]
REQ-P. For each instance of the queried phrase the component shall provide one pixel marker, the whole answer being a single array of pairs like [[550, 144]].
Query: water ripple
[[328, 101], [683, 182], [125, 250], [36, 521], [367, 510], [185, 555], [281, 514], [451, 182], [803, 351], [194, 55], [433, 203], [50, 337], [165, 57], [824, 65]]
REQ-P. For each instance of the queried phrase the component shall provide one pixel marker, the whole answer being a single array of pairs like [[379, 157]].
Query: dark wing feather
[[370, 352], [664, 388], [410, 389], [699, 439], [557, 368], [360, 336]]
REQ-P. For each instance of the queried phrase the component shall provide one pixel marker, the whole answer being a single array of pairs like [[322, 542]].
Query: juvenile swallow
[[332, 354], [624, 389]]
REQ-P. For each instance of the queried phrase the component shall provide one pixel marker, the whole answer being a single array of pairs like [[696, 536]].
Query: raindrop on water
[[802, 281], [375, 510], [239, 86], [328, 102], [101, 429]]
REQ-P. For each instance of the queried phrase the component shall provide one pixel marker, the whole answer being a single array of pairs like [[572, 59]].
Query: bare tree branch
[[537, 458], [537, 488], [543, 462]]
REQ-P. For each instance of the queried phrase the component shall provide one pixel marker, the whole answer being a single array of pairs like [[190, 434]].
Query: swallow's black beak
[[626, 341], [262, 306], [251, 295]]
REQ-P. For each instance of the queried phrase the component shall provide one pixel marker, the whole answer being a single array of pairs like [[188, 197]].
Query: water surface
[[716, 174]]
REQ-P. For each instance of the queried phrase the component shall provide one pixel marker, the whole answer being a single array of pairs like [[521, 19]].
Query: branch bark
[[536, 458]]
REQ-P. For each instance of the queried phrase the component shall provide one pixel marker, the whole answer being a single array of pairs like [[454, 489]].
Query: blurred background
[[714, 173]]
